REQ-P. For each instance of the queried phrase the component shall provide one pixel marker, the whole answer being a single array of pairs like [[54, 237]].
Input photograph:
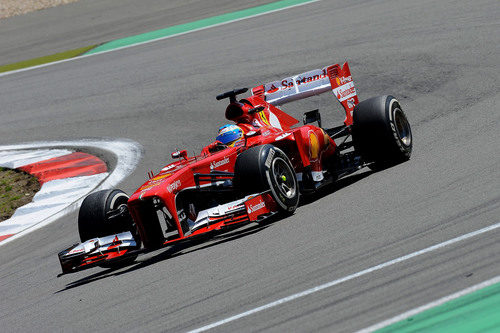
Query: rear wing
[[333, 78]]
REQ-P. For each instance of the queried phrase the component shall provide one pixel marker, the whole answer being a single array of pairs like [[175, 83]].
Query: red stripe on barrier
[[2, 237], [71, 165]]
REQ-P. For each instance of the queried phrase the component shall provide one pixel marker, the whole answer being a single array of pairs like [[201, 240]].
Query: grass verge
[[46, 59], [17, 188]]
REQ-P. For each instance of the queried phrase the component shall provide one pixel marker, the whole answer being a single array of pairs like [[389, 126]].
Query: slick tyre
[[381, 132], [93, 218], [264, 168]]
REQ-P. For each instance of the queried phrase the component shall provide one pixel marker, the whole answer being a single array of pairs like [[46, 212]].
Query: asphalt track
[[90, 22], [439, 58]]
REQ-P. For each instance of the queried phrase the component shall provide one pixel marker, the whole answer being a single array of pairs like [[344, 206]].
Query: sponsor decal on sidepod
[[216, 164]]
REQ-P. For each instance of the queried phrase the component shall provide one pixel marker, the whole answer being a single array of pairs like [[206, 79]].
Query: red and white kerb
[[65, 176]]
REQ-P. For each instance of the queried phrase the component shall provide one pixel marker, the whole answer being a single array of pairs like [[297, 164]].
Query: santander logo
[[303, 80], [345, 91], [291, 82], [272, 89], [254, 208], [216, 164]]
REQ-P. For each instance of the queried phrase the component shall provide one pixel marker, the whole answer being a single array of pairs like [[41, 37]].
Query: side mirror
[[179, 154], [256, 109]]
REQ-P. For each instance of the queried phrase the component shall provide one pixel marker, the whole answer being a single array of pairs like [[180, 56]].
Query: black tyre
[[381, 132], [92, 217], [267, 167], [93, 220]]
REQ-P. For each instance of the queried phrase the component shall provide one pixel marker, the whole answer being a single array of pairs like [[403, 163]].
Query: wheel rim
[[284, 178], [402, 127], [118, 200]]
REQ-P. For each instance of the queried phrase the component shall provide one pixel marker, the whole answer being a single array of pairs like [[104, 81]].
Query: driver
[[229, 136]]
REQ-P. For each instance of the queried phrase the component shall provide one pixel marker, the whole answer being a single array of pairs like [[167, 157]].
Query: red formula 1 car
[[256, 169]]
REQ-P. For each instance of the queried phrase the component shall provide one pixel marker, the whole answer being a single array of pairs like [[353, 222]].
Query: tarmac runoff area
[[66, 176]]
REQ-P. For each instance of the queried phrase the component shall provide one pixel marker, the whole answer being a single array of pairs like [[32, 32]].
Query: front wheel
[[94, 217], [264, 168], [381, 132]]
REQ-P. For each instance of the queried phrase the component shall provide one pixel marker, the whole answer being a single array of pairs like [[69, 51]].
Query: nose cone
[[158, 186]]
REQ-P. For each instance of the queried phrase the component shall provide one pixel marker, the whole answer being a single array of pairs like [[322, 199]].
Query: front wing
[[115, 248], [96, 251]]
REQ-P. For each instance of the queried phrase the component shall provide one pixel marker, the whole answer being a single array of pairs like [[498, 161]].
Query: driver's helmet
[[230, 135]]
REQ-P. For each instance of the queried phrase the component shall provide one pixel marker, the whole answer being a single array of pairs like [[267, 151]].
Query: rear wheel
[[381, 132], [264, 168]]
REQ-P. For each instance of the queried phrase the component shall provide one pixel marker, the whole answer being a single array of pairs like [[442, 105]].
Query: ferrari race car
[[260, 173]]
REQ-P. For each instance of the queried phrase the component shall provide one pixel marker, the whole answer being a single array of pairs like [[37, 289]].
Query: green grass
[[17, 188], [45, 59]]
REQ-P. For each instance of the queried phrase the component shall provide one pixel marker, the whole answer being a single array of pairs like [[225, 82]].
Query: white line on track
[[156, 39], [430, 305], [128, 154], [345, 279]]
